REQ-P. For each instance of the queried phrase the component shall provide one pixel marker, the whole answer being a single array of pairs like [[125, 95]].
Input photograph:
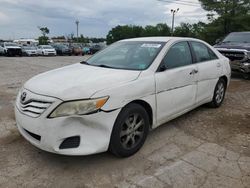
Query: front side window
[[202, 52], [178, 55], [130, 55]]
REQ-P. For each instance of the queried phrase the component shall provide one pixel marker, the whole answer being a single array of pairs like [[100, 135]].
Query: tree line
[[224, 16]]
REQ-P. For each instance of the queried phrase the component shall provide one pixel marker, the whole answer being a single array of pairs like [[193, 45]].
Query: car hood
[[78, 81], [49, 50], [12, 47], [30, 50], [241, 46]]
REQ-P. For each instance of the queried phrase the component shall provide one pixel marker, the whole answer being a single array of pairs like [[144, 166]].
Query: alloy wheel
[[132, 131], [220, 93]]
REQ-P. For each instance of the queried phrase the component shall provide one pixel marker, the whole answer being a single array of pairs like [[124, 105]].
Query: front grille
[[234, 55], [34, 105], [14, 51], [34, 108]]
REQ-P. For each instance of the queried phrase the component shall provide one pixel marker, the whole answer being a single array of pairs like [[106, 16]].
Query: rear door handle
[[218, 65], [194, 71]]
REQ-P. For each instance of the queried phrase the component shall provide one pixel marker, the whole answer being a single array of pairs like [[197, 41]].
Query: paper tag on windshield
[[151, 45]]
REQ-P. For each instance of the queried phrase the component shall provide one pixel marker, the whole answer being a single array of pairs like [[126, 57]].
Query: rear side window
[[178, 55], [202, 52]]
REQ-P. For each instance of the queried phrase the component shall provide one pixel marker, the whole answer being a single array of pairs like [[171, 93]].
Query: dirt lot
[[204, 148]]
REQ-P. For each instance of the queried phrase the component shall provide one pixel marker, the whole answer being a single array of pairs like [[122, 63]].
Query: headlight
[[79, 107]]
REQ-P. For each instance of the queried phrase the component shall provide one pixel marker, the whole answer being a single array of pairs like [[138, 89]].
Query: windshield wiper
[[84, 62], [226, 41], [105, 66]]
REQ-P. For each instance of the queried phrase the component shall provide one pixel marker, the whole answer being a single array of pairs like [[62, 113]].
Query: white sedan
[[112, 100], [46, 50]]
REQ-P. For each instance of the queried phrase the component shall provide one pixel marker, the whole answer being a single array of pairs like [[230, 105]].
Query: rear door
[[176, 86], [209, 70]]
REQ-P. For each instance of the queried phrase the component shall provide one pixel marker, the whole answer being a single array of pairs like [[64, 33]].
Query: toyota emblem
[[23, 96]]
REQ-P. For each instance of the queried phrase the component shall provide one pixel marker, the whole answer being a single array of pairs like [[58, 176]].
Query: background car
[[1, 50], [46, 50], [95, 48], [11, 49], [76, 49], [62, 49], [29, 51], [236, 47], [86, 50]]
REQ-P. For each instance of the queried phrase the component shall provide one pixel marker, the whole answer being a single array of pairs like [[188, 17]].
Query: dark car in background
[[95, 48], [11, 49], [236, 47], [62, 49]]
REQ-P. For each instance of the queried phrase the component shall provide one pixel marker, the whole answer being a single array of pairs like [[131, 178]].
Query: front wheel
[[219, 94], [130, 131], [246, 76]]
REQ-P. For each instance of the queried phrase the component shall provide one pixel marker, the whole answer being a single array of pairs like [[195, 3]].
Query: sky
[[21, 18]]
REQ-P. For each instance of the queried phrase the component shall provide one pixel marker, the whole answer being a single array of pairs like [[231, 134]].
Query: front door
[[176, 85]]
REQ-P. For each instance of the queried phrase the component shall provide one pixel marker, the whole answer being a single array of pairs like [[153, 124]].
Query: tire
[[219, 94], [130, 131], [246, 76]]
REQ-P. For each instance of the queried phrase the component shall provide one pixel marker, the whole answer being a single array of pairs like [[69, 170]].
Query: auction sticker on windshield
[[151, 45]]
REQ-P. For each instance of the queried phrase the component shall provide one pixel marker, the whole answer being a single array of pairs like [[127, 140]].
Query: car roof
[[157, 39]]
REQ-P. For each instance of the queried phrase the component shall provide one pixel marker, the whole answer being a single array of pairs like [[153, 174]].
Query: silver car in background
[[29, 51]]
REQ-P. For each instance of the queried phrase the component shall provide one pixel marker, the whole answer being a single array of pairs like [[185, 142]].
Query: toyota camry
[[112, 100]]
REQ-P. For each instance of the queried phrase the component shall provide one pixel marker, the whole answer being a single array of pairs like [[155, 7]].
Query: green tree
[[233, 14], [124, 32], [43, 40], [132, 31], [184, 30]]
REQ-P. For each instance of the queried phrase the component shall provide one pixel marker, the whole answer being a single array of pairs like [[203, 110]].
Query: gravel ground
[[203, 148]]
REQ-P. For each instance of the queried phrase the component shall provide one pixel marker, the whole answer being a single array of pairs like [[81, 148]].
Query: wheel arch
[[147, 107], [225, 79]]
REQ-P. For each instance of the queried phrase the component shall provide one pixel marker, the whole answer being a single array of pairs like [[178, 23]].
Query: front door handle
[[194, 71]]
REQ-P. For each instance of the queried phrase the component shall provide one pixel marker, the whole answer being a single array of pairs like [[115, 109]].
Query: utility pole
[[173, 11], [77, 24]]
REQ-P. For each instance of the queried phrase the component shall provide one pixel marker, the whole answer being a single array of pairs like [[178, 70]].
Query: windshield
[[238, 37], [29, 48], [127, 55], [10, 44], [47, 47]]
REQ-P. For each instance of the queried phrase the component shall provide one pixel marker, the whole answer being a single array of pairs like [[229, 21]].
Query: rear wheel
[[246, 76], [219, 94], [130, 131]]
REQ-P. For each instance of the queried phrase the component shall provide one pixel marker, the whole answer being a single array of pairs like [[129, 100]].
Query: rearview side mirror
[[162, 67]]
